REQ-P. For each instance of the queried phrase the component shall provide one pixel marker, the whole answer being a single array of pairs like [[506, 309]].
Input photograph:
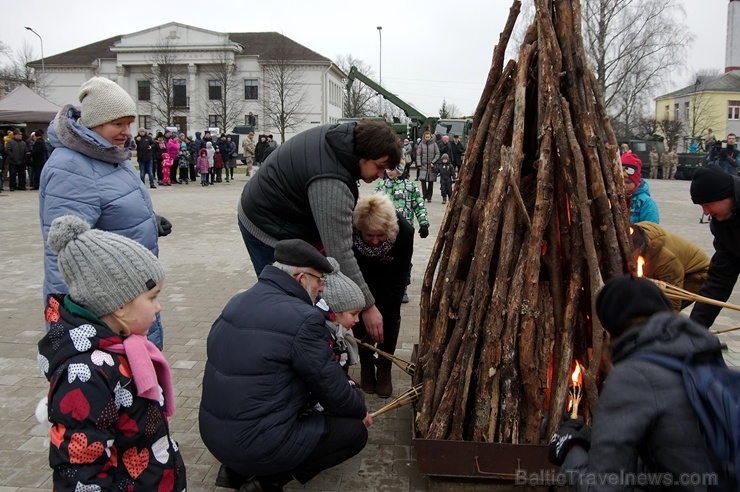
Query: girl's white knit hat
[[341, 293]]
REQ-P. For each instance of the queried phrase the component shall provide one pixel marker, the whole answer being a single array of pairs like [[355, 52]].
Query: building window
[[733, 110], [256, 120], [181, 122], [180, 93], [667, 111], [145, 91], [144, 121], [251, 89], [214, 121], [686, 111], [676, 112], [214, 90]]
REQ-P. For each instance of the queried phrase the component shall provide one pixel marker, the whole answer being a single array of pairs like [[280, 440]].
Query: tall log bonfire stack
[[537, 222]]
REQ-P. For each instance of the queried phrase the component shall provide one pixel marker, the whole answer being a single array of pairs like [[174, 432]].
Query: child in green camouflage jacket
[[406, 198], [408, 202]]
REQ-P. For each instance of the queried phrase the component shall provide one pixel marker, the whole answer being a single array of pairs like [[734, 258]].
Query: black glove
[[571, 432], [423, 231], [723, 154], [164, 226]]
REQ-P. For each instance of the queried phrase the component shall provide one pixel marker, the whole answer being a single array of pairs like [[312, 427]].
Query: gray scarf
[[344, 341], [73, 139]]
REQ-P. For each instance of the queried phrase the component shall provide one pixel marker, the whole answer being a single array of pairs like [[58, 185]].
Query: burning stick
[[575, 391], [673, 292], [409, 396], [407, 367]]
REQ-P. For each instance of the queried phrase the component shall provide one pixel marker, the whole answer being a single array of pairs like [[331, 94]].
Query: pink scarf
[[148, 369]]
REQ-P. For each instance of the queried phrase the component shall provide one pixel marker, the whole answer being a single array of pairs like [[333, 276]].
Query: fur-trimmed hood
[[67, 131]]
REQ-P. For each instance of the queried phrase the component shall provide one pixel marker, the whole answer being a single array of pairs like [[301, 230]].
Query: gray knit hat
[[341, 293], [104, 271], [102, 101]]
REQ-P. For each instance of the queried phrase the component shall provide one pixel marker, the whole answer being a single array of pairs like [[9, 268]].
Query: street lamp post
[[43, 68], [380, 68]]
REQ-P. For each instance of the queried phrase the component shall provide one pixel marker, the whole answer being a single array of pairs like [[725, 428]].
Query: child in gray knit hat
[[110, 388], [343, 301]]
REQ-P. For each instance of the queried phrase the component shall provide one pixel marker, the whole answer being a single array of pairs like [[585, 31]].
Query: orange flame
[[640, 265], [576, 377]]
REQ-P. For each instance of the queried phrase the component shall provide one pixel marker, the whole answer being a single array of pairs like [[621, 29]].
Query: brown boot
[[384, 385], [367, 376]]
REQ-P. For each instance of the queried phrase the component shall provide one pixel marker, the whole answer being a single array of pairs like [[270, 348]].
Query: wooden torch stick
[[409, 396], [727, 330], [674, 292], [407, 367]]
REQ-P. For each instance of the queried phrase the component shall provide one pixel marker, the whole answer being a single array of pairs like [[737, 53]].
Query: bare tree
[[646, 127], [672, 130], [633, 45], [448, 110], [702, 114], [627, 104], [17, 71], [5, 50], [283, 103], [162, 82], [225, 96], [359, 100]]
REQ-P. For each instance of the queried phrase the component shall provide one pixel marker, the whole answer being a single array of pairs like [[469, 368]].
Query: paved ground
[[206, 264]]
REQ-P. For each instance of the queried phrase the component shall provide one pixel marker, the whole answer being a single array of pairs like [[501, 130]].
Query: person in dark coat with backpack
[[644, 416], [266, 371]]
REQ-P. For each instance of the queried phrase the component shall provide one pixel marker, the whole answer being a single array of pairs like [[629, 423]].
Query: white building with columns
[[130, 59]]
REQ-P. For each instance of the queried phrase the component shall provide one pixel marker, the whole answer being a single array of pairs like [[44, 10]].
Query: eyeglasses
[[321, 279]]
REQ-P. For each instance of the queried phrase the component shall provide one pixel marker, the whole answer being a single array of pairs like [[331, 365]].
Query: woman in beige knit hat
[[89, 174]]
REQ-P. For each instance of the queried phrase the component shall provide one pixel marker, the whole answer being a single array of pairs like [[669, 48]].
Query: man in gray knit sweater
[[307, 189]]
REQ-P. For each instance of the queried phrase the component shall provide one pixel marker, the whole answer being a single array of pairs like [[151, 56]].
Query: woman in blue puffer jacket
[[90, 175]]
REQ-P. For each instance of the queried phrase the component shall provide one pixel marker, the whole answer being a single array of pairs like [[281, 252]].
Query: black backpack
[[714, 392]]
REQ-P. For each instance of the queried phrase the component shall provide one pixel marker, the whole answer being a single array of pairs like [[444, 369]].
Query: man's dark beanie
[[298, 253], [711, 184], [628, 297]]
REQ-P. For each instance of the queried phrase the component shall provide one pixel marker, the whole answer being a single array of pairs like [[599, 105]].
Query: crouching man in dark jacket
[[644, 421], [269, 362]]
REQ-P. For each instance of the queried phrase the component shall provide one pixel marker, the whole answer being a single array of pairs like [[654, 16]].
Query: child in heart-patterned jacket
[[110, 388]]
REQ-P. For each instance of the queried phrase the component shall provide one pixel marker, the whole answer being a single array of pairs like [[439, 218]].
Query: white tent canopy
[[23, 105]]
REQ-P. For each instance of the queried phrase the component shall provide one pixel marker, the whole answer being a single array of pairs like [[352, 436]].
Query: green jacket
[[406, 199]]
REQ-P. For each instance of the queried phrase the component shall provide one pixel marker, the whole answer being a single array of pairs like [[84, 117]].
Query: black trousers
[[17, 176], [427, 187], [391, 328], [342, 439]]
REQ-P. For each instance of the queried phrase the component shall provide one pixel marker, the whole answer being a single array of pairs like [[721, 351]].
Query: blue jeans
[[260, 253], [146, 167]]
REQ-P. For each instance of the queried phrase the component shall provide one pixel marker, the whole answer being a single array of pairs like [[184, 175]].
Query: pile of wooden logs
[[537, 222]]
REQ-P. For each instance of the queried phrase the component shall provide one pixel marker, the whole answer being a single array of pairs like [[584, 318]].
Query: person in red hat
[[642, 206]]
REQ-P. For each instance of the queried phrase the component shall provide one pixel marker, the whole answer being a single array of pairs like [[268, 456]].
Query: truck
[[687, 162], [420, 123]]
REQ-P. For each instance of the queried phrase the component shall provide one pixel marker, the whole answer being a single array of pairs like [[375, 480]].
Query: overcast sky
[[430, 50]]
